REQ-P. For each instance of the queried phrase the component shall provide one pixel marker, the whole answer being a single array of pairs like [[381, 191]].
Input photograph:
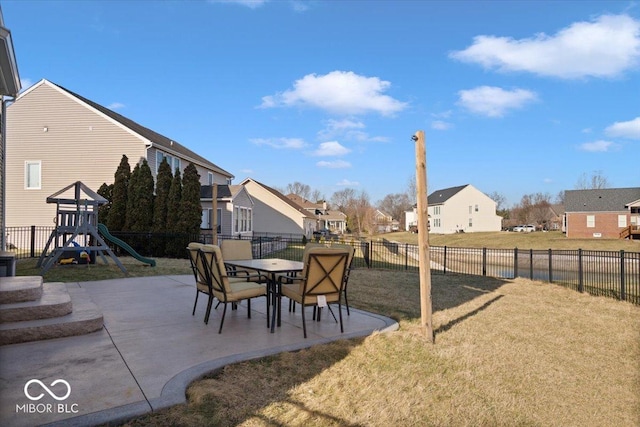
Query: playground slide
[[105, 233]]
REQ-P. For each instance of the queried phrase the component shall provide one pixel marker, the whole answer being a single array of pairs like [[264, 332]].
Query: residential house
[[276, 214], [234, 208], [383, 222], [334, 221], [459, 209], [56, 137], [601, 213]]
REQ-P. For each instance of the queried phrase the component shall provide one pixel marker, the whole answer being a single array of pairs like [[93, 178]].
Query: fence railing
[[613, 274]]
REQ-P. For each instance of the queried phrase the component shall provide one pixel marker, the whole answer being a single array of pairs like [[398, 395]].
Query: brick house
[[601, 213]]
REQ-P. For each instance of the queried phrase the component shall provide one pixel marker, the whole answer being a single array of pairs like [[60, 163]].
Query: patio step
[[61, 311], [20, 289], [54, 302]]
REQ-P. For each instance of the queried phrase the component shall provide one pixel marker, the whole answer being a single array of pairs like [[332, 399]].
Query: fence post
[[580, 278], [260, 246], [444, 262], [484, 261], [623, 291], [406, 256], [515, 262], [33, 241], [531, 264], [550, 266]]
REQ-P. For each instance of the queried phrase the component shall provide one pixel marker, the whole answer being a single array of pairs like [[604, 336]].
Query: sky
[[514, 97]]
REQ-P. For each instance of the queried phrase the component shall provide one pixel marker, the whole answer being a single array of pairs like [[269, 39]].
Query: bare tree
[[342, 199], [357, 208], [595, 181], [316, 196], [395, 205], [412, 190], [299, 189], [533, 209], [500, 200], [560, 198]]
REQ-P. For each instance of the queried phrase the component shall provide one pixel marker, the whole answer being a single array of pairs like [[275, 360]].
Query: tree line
[[170, 207]]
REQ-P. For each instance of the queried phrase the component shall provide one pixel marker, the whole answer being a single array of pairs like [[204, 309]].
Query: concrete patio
[[150, 349]]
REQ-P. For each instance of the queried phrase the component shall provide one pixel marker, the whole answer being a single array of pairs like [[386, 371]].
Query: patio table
[[271, 267]]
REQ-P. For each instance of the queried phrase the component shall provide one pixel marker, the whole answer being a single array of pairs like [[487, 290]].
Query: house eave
[[9, 75]]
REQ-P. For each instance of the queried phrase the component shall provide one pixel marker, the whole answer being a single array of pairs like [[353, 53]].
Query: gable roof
[[440, 196], [224, 191], [600, 200], [282, 197], [154, 138]]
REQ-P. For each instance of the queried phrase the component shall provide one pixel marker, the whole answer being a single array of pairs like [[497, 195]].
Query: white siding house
[[56, 137], [235, 210], [459, 209], [274, 213]]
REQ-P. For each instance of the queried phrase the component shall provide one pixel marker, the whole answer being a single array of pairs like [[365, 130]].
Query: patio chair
[[235, 250], [228, 289], [351, 250], [320, 283], [199, 274]]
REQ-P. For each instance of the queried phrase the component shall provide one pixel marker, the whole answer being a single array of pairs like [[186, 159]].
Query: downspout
[[3, 141]]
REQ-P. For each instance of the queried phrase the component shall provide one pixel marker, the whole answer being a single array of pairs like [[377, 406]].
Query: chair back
[[236, 249], [350, 249], [216, 273], [324, 271], [197, 267]]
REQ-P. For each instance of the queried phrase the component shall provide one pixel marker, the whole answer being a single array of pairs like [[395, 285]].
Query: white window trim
[[26, 174], [591, 221]]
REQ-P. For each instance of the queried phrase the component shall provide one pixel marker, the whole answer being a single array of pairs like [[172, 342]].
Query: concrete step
[[54, 302], [85, 318], [20, 289]]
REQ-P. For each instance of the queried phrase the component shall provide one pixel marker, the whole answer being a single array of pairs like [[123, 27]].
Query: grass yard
[[507, 353]]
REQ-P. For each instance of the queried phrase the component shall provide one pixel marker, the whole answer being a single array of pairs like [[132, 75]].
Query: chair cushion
[[293, 292], [241, 289]]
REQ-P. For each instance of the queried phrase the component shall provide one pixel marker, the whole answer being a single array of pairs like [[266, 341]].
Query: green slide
[[105, 233]]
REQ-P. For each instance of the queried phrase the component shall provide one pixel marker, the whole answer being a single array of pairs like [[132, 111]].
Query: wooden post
[[214, 213], [423, 236]]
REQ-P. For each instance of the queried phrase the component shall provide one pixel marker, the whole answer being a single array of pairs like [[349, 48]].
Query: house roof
[[600, 200], [440, 196], [154, 138], [282, 197]]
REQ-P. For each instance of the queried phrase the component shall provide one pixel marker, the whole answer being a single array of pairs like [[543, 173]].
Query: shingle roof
[[155, 138], [600, 200], [282, 197], [440, 196]]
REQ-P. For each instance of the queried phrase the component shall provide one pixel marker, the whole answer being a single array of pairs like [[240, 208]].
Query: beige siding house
[[274, 213], [459, 209], [56, 137], [235, 211], [334, 221]]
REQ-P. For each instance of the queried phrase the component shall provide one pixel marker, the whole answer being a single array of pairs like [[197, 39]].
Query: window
[[210, 178], [436, 210], [591, 221], [476, 208], [174, 162], [436, 222], [622, 221], [470, 222], [242, 220], [206, 220], [470, 209], [33, 174]]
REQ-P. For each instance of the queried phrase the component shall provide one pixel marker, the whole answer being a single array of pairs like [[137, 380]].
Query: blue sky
[[514, 97]]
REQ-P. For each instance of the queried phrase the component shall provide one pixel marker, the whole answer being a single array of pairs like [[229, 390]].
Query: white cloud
[[335, 164], [331, 148], [630, 129], [494, 101], [605, 47], [280, 143], [440, 125], [115, 106], [348, 129], [599, 146], [340, 92], [252, 4], [347, 183]]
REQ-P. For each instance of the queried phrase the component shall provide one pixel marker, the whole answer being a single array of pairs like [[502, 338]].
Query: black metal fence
[[614, 274]]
